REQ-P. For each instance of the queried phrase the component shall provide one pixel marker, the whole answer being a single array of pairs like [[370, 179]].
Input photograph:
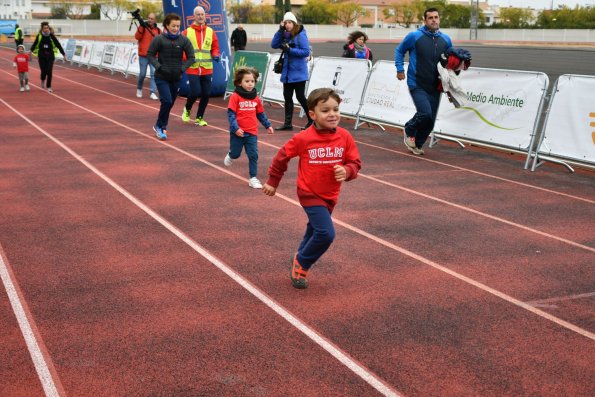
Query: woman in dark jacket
[[356, 46], [45, 47], [166, 54], [292, 39]]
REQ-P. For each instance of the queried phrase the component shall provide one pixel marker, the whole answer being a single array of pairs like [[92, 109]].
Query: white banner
[[501, 107], [347, 76], [133, 65], [78, 50], [570, 127], [387, 99], [109, 53], [97, 54], [121, 57], [86, 52], [272, 89]]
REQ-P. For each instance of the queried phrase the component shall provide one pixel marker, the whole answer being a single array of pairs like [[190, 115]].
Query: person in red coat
[[328, 157], [144, 35]]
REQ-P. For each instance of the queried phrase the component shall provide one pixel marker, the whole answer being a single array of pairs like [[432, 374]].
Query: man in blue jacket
[[424, 46]]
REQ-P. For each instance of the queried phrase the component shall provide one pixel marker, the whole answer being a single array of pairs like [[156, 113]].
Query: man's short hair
[[432, 9]]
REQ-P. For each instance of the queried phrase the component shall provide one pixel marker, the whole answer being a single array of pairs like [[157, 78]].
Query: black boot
[[287, 126]]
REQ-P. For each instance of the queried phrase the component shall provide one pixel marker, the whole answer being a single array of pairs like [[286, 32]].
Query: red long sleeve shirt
[[318, 151], [22, 61]]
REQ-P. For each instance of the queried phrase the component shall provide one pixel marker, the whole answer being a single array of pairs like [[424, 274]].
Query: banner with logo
[[86, 49], [78, 50], [386, 98], [217, 20], [257, 60], [69, 48], [121, 57], [347, 76], [501, 107], [570, 126], [97, 54], [273, 88], [109, 52], [133, 64]]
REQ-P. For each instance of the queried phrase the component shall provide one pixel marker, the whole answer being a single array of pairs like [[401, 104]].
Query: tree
[[348, 12], [567, 18], [515, 18], [287, 6], [262, 13], [240, 11], [318, 12], [279, 10], [402, 12], [68, 9], [115, 10]]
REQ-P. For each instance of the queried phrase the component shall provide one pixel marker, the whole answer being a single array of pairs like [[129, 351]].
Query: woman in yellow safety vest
[[45, 47]]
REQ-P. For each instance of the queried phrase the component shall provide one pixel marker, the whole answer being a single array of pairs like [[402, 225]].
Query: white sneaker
[[27, 87], [255, 183], [153, 96], [228, 161], [50, 89], [139, 93], [22, 89]]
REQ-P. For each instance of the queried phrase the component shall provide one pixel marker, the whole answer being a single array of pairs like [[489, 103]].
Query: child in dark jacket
[[328, 156], [244, 111]]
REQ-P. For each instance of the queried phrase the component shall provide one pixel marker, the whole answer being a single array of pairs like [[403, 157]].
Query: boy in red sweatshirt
[[327, 157], [21, 62]]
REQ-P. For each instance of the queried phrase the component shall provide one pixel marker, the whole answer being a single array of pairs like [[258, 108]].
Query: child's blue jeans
[[320, 233], [250, 143]]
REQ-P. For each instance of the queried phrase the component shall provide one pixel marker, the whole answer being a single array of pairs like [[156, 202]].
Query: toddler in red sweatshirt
[[328, 156], [21, 62]]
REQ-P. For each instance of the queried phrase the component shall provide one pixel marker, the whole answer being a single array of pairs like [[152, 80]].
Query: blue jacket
[[424, 49], [295, 65]]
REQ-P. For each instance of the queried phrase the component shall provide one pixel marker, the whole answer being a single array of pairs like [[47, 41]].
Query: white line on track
[[48, 383], [369, 377]]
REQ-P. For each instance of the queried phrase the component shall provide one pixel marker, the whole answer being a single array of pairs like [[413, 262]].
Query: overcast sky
[[541, 4]]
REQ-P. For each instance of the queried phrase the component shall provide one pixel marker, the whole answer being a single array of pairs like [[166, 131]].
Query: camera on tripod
[[136, 17]]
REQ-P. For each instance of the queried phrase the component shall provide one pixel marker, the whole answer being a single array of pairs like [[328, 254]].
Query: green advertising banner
[[257, 60]]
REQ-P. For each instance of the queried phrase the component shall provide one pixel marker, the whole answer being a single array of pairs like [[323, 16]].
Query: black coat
[[239, 39]]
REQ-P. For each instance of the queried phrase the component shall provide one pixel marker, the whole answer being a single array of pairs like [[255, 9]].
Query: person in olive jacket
[[166, 54]]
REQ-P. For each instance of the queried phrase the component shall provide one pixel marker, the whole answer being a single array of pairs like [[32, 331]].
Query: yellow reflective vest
[[202, 53], [35, 51]]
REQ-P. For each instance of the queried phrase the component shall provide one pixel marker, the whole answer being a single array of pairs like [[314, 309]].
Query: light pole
[[474, 19]]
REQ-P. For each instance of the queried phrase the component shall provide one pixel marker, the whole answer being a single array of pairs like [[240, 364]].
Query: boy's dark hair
[[356, 35], [170, 17], [431, 9], [240, 72], [321, 95]]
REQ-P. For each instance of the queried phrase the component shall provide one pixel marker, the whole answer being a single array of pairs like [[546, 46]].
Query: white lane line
[[48, 383], [538, 302], [358, 369]]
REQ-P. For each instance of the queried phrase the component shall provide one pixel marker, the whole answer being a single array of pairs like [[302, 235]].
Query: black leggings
[[46, 65], [300, 93]]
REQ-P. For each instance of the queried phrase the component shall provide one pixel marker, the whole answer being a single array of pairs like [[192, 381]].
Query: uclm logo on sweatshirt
[[326, 155]]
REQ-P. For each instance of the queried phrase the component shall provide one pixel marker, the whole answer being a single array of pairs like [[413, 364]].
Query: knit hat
[[19, 46], [290, 17]]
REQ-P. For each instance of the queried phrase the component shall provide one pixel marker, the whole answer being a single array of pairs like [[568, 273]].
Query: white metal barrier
[[569, 130]]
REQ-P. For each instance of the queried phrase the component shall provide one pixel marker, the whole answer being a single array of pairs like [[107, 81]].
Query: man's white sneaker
[[228, 161], [255, 183], [139, 93], [153, 96]]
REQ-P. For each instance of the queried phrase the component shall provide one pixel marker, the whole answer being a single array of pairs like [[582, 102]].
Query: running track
[[132, 266]]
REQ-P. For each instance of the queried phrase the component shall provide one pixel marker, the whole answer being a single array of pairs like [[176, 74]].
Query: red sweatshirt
[[22, 61], [318, 151]]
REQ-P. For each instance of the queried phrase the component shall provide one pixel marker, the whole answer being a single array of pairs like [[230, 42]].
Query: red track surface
[[147, 268]]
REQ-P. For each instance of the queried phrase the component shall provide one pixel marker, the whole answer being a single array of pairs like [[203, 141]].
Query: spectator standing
[[239, 38], [45, 47], [166, 53], [356, 46], [21, 62], [144, 35], [200, 74], [328, 156], [18, 36], [424, 46], [291, 38], [244, 111]]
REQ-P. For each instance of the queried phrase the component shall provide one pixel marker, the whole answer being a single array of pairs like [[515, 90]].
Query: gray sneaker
[[409, 141]]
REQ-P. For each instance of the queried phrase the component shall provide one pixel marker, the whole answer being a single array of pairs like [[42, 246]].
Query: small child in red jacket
[[327, 157], [21, 62]]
